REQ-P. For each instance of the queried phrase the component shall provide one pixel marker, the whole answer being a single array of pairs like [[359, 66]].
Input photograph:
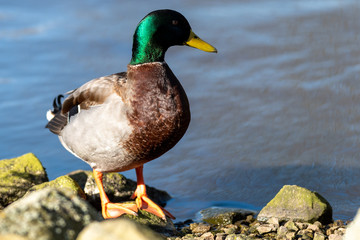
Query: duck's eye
[[175, 22]]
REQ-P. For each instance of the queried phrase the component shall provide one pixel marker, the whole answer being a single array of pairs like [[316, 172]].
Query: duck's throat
[[146, 53]]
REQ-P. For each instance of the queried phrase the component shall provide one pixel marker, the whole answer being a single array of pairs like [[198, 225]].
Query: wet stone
[[223, 216]]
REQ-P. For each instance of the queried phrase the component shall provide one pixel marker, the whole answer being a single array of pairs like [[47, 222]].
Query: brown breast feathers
[[159, 113]]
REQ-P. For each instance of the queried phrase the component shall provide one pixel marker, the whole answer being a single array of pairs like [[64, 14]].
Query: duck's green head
[[160, 30]]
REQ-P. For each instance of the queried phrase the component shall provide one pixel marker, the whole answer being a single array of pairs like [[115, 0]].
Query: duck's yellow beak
[[196, 42]]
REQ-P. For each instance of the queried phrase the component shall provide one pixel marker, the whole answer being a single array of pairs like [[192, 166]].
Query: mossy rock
[[17, 175], [153, 222], [117, 187], [64, 183], [223, 216], [47, 214], [298, 204]]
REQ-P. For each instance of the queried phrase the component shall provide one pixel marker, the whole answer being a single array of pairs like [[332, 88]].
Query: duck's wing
[[92, 93]]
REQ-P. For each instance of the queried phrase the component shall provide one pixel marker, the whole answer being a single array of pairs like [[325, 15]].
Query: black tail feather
[[57, 104], [57, 123]]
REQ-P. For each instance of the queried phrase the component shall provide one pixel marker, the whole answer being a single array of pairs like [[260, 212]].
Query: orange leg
[[109, 209], [142, 200]]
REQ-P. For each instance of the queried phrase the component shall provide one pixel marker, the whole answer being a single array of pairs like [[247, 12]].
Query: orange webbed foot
[[114, 210], [145, 203], [109, 209]]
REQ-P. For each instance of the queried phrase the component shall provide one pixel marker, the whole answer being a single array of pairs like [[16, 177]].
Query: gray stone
[[117, 187], [17, 175], [223, 216], [121, 229], [47, 214], [298, 204]]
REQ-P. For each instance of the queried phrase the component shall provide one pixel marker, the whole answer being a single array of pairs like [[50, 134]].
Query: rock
[[291, 226], [47, 214], [65, 183], [220, 236], [17, 175], [122, 229], [12, 237], [319, 236], [230, 229], [153, 222], [305, 234], [313, 228], [353, 230], [290, 235], [223, 216], [273, 221], [231, 237], [199, 228], [298, 204], [266, 228], [282, 231], [335, 237], [117, 187], [301, 225], [207, 236]]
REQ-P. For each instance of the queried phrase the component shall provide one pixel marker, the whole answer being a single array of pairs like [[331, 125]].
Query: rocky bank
[[32, 207]]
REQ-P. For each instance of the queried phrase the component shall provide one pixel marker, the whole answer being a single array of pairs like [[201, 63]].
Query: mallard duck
[[121, 121]]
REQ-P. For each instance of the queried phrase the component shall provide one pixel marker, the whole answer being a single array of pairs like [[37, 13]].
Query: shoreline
[[72, 201]]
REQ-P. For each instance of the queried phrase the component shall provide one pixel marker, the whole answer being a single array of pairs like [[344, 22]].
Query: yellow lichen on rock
[[17, 175]]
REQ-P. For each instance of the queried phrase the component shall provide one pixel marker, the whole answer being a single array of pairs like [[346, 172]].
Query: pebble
[[272, 229], [199, 227]]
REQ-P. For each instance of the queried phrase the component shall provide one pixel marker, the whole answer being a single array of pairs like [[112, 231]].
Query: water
[[277, 105]]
